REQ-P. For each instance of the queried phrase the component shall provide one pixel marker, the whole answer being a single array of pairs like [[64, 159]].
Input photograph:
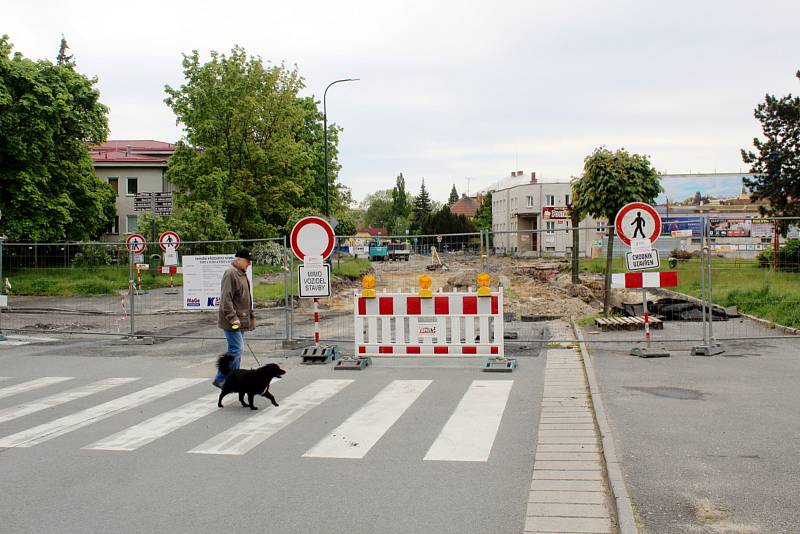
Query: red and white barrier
[[644, 280], [171, 269], [447, 324]]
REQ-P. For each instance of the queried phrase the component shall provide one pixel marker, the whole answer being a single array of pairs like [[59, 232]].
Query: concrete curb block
[[625, 516]]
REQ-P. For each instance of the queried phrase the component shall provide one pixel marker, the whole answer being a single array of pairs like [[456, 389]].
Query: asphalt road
[[708, 444], [61, 484]]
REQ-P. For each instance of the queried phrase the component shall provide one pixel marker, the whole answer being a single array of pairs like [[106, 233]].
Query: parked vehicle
[[399, 251], [378, 252]]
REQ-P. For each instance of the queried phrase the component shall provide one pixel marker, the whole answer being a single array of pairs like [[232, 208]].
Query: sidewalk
[[707, 444]]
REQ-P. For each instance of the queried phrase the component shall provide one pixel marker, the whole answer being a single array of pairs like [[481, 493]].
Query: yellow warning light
[[368, 285], [483, 282], [425, 286]]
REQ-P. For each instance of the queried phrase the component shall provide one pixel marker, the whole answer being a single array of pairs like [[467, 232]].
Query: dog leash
[[253, 353]]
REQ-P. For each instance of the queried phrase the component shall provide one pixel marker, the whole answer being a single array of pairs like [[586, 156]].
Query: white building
[[529, 216]]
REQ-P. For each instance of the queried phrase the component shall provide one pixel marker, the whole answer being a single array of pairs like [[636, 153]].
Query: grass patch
[[735, 282], [81, 281], [352, 269]]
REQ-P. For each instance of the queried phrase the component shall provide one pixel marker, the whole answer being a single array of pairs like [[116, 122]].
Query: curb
[[625, 517]]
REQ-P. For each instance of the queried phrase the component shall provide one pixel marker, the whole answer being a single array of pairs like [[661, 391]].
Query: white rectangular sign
[[170, 257], [315, 281], [427, 330], [641, 246], [642, 261], [202, 280], [3, 301]]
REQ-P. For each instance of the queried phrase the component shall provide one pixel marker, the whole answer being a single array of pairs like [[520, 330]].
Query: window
[[114, 183], [131, 222], [113, 227], [549, 200], [600, 226], [551, 227], [566, 200], [530, 201], [133, 186]]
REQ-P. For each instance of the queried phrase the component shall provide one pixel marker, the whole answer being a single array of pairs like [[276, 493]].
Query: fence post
[[131, 292], [709, 346]]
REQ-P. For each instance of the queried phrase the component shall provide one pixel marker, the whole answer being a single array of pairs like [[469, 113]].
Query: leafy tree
[[483, 216], [48, 114], [377, 208], [422, 209], [444, 221], [401, 207], [253, 150], [777, 162], [346, 226], [609, 181], [453, 196]]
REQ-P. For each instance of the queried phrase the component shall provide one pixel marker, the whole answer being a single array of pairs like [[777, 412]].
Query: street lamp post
[[325, 137]]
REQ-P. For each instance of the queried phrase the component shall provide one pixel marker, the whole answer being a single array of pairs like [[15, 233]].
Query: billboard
[[682, 227], [740, 228], [556, 214]]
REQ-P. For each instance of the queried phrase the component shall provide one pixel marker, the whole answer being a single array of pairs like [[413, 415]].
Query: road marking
[[31, 385], [469, 433], [159, 426], [28, 408], [249, 433], [356, 436], [47, 431]]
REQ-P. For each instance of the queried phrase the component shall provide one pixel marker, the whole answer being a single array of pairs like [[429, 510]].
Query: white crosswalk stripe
[[47, 431], [356, 436], [251, 432], [467, 436], [28, 408], [470, 432], [31, 385], [159, 426]]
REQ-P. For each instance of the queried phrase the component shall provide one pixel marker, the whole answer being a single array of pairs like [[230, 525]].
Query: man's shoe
[[218, 383]]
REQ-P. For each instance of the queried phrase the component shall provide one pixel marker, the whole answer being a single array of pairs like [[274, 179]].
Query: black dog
[[244, 382]]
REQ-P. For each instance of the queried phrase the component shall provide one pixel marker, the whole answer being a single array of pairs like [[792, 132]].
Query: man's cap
[[244, 253]]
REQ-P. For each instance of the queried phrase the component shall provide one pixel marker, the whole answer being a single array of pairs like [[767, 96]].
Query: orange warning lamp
[[368, 283], [425, 286], [483, 282]]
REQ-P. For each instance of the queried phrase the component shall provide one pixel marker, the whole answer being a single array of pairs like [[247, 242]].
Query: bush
[[680, 254], [267, 253], [788, 257], [764, 258], [92, 256]]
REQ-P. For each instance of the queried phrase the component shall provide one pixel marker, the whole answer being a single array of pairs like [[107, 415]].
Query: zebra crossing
[[467, 436]]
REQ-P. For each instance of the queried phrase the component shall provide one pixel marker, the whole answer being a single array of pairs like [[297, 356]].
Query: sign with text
[[550, 213], [427, 330], [315, 281], [202, 280], [640, 261]]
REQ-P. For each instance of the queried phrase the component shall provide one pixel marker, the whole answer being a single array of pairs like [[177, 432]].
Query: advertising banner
[[740, 228], [682, 227], [202, 278]]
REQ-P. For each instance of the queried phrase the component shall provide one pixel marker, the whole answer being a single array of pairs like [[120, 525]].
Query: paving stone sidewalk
[[568, 493]]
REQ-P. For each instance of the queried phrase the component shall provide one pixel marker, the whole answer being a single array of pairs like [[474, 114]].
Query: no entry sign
[[312, 236], [638, 220], [136, 243]]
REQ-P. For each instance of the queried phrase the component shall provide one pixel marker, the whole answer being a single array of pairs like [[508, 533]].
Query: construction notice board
[[202, 280]]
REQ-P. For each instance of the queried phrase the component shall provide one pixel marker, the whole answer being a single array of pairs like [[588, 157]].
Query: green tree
[[422, 209], [62, 58], [777, 161], [443, 221], [453, 196], [401, 207], [377, 208], [253, 150], [609, 181], [483, 216], [48, 114]]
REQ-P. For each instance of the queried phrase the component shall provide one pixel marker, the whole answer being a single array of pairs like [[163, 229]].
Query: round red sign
[[312, 236], [638, 220]]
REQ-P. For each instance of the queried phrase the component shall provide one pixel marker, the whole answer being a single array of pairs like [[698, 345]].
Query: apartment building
[[523, 206], [130, 167]]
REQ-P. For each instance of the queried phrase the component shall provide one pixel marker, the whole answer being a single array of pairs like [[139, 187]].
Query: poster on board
[[202, 278]]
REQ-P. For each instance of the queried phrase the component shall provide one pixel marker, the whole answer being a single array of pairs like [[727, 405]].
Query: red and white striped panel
[[643, 280], [464, 324], [171, 269]]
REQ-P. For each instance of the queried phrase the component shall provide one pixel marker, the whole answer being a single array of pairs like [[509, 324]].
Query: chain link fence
[[729, 270]]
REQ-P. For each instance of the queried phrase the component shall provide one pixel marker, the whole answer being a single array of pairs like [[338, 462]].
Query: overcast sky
[[457, 89]]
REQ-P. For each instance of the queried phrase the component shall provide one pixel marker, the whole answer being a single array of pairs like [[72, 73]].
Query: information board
[[202, 280], [315, 280]]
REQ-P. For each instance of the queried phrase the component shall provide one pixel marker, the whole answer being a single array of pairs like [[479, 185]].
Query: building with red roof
[[466, 206], [131, 166]]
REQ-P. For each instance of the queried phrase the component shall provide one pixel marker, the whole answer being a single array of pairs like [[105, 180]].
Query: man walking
[[235, 308]]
